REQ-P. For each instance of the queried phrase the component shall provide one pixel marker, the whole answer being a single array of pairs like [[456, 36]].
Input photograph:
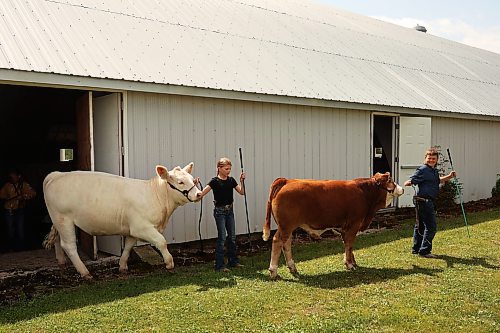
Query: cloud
[[487, 38]]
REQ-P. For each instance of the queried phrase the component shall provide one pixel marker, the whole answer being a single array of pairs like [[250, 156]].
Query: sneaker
[[429, 256], [223, 270], [238, 265]]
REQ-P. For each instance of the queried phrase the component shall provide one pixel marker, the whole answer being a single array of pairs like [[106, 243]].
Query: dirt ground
[[24, 275]]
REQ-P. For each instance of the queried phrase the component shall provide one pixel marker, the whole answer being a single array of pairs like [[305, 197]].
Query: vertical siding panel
[[275, 139], [237, 125], [190, 221], [268, 171], [325, 144], [300, 161], [308, 158], [210, 156], [293, 142], [284, 140], [330, 147], [342, 144]]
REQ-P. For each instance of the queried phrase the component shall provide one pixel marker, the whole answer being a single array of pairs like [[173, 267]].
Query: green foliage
[[449, 191], [391, 291], [495, 191]]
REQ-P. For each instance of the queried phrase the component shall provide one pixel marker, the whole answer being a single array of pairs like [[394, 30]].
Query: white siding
[[475, 151], [277, 140]]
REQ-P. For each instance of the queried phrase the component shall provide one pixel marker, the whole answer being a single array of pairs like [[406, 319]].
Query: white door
[[414, 140], [108, 152]]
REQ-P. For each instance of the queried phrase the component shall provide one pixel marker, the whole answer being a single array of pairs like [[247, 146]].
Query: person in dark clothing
[[427, 178], [223, 186], [15, 193]]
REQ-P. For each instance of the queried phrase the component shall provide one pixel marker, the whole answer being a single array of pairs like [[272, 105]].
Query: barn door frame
[[393, 118], [85, 160], [109, 151]]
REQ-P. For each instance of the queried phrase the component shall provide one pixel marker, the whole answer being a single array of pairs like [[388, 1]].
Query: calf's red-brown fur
[[319, 205]]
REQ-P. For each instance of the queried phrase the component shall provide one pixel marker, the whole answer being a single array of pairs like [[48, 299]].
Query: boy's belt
[[225, 207], [422, 199]]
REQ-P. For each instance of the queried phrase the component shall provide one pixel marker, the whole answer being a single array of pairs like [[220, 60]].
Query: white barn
[[307, 90]]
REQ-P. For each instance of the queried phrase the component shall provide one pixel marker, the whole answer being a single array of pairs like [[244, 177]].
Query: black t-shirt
[[223, 190]]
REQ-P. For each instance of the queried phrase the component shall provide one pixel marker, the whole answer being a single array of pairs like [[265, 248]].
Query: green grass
[[393, 291]]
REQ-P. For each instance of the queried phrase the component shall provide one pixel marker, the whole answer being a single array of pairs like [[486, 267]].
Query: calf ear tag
[[161, 171]]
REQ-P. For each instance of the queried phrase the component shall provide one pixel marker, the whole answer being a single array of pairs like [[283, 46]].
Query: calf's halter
[[183, 192]]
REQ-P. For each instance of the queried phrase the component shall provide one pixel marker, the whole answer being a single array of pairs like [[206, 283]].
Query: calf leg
[[348, 238], [275, 254], [129, 244], [151, 235], [60, 256], [68, 243], [287, 251]]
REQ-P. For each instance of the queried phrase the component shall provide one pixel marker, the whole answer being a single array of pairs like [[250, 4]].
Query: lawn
[[393, 291]]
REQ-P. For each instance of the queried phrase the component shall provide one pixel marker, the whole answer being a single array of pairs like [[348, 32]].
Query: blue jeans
[[425, 229], [15, 229], [224, 219]]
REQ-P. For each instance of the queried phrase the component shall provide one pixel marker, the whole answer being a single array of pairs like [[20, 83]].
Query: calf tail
[[50, 239], [273, 191]]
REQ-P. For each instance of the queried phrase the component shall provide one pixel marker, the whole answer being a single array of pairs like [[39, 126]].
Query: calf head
[[181, 181], [385, 182]]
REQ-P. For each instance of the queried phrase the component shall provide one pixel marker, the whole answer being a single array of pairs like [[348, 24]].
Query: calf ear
[[189, 168], [161, 171]]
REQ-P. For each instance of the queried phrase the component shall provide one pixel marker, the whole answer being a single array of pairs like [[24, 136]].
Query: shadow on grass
[[363, 275], [452, 261], [98, 292]]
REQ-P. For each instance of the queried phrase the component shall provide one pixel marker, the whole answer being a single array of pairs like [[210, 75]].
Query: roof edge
[[26, 78]]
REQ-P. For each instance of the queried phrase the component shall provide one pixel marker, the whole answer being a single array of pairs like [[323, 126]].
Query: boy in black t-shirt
[[223, 186]]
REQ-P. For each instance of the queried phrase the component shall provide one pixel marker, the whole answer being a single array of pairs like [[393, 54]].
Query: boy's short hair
[[432, 152]]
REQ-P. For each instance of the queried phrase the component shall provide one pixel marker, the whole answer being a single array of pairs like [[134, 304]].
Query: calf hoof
[[87, 277], [293, 271], [273, 274], [63, 266], [350, 267], [275, 277], [123, 270]]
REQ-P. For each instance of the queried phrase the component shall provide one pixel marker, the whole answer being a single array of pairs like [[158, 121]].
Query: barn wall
[[277, 140], [474, 147]]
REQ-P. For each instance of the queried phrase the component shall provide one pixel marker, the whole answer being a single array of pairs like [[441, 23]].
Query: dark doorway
[[383, 144], [35, 123]]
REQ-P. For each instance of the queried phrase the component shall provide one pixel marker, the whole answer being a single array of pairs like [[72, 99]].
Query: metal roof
[[283, 47]]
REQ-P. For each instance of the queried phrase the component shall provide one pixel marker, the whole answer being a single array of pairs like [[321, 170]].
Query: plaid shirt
[[15, 195]]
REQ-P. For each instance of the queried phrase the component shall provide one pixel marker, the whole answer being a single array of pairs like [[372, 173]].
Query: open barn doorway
[[384, 144], [35, 123]]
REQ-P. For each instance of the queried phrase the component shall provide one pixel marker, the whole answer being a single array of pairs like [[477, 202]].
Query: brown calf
[[319, 205]]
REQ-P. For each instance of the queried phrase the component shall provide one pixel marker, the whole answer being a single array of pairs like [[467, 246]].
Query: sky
[[475, 23]]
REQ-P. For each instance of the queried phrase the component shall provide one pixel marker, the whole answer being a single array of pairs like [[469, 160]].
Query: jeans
[[224, 219], [425, 229], [15, 229]]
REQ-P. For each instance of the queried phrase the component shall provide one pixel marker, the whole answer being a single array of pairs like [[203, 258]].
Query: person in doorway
[[222, 185], [427, 178], [15, 193]]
